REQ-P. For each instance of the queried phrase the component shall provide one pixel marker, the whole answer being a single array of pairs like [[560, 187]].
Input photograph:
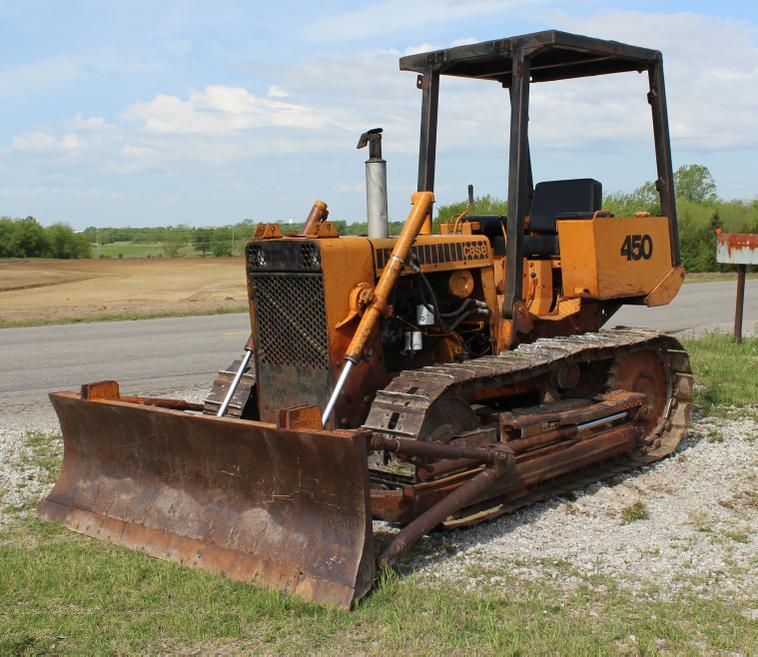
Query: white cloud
[[94, 123], [275, 91], [224, 110], [465, 41], [421, 47], [38, 141], [135, 151], [318, 106], [712, 91], [70, 142], [33, 141]]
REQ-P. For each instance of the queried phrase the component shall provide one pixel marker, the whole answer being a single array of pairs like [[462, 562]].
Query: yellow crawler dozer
[[428, 380]]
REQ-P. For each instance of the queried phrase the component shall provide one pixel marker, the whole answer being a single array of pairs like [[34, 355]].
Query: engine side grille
[[290, 319]]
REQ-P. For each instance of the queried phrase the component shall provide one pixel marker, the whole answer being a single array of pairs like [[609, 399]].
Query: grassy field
[[73, 595], [714, 276], [139, 250], [126, 315], [67, 594], [726, 374]]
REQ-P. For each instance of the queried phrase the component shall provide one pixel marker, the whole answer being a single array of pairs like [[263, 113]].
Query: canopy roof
[[554, 55]]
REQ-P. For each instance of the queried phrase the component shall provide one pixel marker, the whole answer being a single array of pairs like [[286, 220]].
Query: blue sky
[[146, 113]]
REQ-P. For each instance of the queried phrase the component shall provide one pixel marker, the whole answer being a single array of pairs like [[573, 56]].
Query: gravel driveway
[[699, 533]]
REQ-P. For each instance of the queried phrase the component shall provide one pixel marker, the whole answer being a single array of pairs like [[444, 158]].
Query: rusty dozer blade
[[283, 509]]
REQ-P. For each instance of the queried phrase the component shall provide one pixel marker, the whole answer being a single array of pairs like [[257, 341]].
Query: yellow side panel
[[346, 261], [613, 257]]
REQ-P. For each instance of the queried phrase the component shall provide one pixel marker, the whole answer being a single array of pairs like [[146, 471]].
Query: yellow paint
[[538, 286], [593, 265], [666, 290]]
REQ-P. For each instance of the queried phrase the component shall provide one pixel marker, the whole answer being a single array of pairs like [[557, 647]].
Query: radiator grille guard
[[291, 339], [290, 319]]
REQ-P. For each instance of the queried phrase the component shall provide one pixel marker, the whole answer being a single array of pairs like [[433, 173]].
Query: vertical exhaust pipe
[[376, 184]]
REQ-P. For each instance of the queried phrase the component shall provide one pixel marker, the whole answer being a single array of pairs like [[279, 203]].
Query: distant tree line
[[27, 238], [700, 211]]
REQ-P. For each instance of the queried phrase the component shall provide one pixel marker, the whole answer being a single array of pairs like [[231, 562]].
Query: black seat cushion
[[490, 225], [540, 245], [570, 198]]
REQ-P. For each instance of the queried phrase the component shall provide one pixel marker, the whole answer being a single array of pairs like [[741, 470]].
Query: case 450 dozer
[[429, 380]]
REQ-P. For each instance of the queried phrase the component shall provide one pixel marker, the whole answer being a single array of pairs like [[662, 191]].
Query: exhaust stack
[[376, 184]]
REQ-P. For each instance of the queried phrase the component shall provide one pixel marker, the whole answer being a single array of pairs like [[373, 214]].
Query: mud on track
[[55, 290]]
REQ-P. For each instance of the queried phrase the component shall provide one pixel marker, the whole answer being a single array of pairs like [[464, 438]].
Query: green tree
[[643, 199], [172, 244], [8, 246], [695, 183], [482, 205], [64, 243], [201, 240], [221, 242], [30, 238]]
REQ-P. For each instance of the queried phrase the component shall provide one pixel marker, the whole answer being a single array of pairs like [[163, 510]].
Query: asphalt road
[[160, 356]]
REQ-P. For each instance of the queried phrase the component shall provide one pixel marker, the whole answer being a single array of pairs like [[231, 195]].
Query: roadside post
[[739, 249]]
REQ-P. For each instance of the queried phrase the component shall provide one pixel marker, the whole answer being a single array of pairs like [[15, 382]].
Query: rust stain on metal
[[737, 248], [295, 517]]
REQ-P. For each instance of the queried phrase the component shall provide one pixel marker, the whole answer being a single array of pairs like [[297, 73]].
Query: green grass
[[68, 594], [128, 315], [715, 276], [726, 374], [138, 250], [634, 512], [739, 537], [149, 250]]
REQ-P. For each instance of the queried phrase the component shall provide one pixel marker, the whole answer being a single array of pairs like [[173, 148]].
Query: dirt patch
[[55, 290]]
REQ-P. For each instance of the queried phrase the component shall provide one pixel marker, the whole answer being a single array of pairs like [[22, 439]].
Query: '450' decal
[[637, 247]]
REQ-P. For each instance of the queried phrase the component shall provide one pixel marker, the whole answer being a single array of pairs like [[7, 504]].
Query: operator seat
[[578, 198]]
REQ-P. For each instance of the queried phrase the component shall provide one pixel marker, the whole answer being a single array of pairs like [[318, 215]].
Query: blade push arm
[[422, 205]]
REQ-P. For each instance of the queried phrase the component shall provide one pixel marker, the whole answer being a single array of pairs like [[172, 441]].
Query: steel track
[[402, 408]]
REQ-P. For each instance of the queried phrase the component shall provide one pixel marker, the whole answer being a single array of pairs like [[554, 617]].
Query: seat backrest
[[554, 197]]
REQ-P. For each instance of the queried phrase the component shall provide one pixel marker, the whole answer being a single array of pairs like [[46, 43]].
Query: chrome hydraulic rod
[[337, 389], [235, 382]]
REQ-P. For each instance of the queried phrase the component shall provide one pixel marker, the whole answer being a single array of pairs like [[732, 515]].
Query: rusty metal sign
[[737, 248]]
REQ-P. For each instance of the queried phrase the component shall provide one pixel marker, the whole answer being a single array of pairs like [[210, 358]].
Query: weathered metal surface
[[559, 55], [283, 509], [739, 305], [403, 408], [291, 510], [243, 401], [460, 497], [737, 248], [406, 447]]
